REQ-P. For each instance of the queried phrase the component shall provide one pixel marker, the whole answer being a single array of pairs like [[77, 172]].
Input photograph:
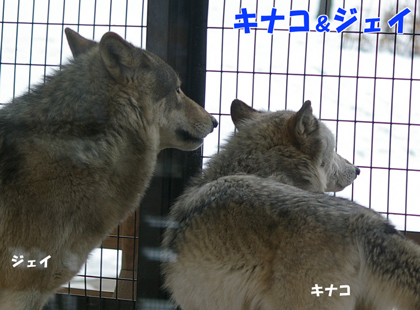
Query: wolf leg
[[22, 300]]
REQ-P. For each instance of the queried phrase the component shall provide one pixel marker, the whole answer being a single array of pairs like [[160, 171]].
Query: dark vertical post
[[325, 8], [176, 31]]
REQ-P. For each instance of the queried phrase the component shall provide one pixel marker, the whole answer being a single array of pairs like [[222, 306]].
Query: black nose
[[357, 170], [214, 121]]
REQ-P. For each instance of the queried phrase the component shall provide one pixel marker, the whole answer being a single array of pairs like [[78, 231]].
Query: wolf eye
[[178, 90]]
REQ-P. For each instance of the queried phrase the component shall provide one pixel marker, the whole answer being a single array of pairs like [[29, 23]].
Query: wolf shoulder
[[251, 194]]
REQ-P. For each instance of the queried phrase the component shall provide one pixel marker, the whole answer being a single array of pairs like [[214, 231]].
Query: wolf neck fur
[[232, 160]]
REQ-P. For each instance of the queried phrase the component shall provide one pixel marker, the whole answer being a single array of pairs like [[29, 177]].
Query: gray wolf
[[255, 231], [76, 155]]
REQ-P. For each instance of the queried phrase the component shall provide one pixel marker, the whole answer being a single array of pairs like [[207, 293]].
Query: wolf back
[[255, 230], [76, 155]]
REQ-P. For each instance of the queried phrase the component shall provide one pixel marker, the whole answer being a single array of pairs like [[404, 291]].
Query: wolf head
[[183, 123], [292, 147]]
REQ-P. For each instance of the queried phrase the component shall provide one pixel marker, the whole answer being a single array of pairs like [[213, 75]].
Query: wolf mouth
[[186, 136]]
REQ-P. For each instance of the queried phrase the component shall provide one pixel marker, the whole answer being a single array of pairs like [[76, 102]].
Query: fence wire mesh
[[364, 85], [33, 45]]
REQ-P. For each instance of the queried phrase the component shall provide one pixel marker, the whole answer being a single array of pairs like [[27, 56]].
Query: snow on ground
[[313, 62]]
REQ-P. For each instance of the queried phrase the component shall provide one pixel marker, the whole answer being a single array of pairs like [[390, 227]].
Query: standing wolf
[[254, 231], [76, 155]]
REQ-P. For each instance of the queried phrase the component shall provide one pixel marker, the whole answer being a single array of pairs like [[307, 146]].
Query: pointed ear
[[306, 130], [78, 44], [118, 56], [241, 112]]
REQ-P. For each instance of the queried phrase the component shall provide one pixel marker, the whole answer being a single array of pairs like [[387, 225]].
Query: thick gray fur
[[255, 231], [76, 156]]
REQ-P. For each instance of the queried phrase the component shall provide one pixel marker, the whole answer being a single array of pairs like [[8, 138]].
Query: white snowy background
[[372, 92], [375, 86]]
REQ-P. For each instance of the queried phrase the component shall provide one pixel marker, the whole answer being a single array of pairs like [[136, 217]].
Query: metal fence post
[[176, 31]]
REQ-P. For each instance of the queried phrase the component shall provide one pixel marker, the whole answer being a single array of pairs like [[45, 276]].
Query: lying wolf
[[255, 232], [76, 155]]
